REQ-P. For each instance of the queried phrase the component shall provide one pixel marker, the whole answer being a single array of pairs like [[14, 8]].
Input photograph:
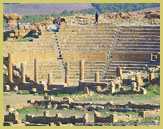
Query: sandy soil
[[17, 99]]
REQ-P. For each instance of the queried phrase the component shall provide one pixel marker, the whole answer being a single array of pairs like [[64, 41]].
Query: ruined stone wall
[[129, 56], [29, 57], [28, 86], [44, 44], [91, 85], [152, 17], [14, 107], [149, 114], [68, 103], [112, 118], [58, 118], [86, 56]]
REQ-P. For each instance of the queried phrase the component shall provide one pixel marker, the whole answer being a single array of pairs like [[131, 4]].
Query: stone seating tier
[[44, 68]]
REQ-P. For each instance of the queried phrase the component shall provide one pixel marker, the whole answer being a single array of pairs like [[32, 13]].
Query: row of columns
[[67, 73], [81, 67], [50, 76], [23, 76]]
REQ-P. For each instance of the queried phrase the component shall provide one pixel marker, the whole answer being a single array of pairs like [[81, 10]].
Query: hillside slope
[[48, 8]]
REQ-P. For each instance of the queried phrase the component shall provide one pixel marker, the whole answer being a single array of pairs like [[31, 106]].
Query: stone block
[[51, 124], [97, 77], [113, 118], [138, 88], [46, 113], [55, 106], [112, 84], [118, 86], [78, 108], [45, 87], [50, 79], [85, 118], [98, 89], [86, 90], [7, 88], [119, 72], [31, 101], [10, 109], [151, 77], [26, 27], [11, 35], [15, 88], [112, 90], [99, 108], [143, 91], [58, 115], [134, 85], [65, 106], [34, 90], [122, 90], [21, 27], [138, 79]]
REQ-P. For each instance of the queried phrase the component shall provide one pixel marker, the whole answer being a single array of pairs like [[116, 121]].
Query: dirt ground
[[13, 98]]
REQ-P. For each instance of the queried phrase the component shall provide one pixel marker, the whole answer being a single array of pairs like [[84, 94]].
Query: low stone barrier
[[14, 107], [149, 114], [12, 117], [69, 103], [46, 118], [28, 86], [91, 85], [111, 119]]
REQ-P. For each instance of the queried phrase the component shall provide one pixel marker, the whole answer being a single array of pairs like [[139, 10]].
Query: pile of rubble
[[152, 17]]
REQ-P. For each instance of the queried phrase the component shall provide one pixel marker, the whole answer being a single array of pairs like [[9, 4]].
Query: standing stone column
[[36, 71], [151, 77], [10, 68], [97, 77], [112, 87], [82, 70], [50, 79], [67, 72], [119, 72], [138, 79], [158, 56], [134, 85], [113, 118], [23, 73]]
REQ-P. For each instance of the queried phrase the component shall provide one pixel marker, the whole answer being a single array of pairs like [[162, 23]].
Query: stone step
[[140, 33], [86, 70], [129, 62], [87, 29], [126, 65], [139, 43], [126, 68], [86, 33], [140, 27], [139, 40], [87, 42], [122, 35], [138, 49], [85, 45], [136, 46]]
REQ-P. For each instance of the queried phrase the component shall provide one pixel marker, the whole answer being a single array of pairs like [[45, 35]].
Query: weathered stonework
[[50, 79], [82, 70], [67, 73], [10, 70], [23, 73], [97, 77], [36, 71]]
